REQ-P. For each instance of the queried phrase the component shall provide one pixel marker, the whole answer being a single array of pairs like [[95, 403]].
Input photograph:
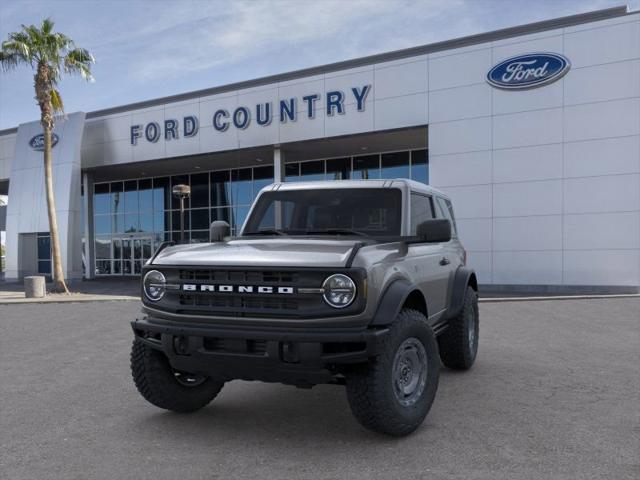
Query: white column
[[278, 177], [278, 165], [89, 260], [27, 210]]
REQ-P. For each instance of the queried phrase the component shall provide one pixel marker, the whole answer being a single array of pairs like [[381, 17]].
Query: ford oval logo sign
[[37, 142], [528, 71]]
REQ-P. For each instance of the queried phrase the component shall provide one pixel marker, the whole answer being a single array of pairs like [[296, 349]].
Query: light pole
[[182, 192]]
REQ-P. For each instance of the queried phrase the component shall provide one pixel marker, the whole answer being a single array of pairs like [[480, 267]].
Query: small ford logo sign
[[37, 142], [528, 71]]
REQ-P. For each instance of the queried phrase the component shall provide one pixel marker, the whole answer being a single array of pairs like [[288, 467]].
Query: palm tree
[[50, 55]]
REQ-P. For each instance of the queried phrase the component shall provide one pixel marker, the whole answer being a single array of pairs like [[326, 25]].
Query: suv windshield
[[374, 212]]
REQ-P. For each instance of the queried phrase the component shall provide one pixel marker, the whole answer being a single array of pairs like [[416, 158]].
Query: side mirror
[[436, 230], [218, 230]]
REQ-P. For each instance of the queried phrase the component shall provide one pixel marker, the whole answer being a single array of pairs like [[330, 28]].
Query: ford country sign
[[528, 71], [37, 142], [284, 110]]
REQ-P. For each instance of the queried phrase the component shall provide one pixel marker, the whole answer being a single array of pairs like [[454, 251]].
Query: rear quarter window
[[445, 209], [421, 210]]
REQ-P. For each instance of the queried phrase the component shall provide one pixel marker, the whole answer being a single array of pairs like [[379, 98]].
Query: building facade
[[534, 132]]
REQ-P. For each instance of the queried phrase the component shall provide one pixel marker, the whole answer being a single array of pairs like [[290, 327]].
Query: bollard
[[34, 287]]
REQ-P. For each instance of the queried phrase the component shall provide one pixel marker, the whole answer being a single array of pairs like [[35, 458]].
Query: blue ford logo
[[37, 142], [528, 71]]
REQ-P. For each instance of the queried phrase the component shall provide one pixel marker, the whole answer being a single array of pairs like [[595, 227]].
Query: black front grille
[[240, 276], [255, 304], [234, 303]]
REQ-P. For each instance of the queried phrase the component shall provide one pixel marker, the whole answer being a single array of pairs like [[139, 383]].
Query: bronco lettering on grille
[[192, 287]]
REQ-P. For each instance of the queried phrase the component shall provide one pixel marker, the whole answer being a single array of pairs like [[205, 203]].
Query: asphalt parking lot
[[555, 394]]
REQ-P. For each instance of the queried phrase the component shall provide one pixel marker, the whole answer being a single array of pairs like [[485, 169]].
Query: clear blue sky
[[149, 49]]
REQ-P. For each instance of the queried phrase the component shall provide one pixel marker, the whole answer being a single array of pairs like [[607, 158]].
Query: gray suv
[[355, 283]]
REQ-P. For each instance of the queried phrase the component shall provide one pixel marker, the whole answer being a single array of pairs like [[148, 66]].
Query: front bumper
[[305, 357]]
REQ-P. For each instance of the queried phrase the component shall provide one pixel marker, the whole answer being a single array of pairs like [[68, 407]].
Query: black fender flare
[[463, 277], [391, 302]]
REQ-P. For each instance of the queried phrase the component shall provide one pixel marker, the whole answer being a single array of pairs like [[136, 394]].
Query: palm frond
[[21, 44], [63, 42], [47, 26], [80, 55], [56, 101], [34, 34], [79, 61], [19, 47], [21, 38], [54, 73], [9, 61]]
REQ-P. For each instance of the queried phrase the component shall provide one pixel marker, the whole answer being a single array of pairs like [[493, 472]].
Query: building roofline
[[8, 131], [494, 35]]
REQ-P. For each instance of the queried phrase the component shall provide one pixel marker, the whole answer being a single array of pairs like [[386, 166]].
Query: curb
[[23, 301]]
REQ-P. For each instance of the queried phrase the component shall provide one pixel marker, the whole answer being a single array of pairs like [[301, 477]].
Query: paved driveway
[[555, 394]]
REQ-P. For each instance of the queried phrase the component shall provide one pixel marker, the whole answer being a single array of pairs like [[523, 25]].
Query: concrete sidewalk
[[104, 289]]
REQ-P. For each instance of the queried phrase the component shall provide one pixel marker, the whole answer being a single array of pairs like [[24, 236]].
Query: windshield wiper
[[336, 231], [266, 231]]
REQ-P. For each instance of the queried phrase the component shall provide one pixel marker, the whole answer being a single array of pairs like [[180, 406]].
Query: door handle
[[444, 261]]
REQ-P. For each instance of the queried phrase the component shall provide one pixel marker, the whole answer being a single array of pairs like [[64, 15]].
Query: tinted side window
[[421, 210], [446, 211]]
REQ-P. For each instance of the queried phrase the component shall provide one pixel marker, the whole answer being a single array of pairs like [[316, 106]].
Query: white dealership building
[[533, 131]]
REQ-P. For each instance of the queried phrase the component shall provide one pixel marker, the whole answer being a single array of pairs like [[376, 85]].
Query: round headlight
[[154, 285], [339, 290]]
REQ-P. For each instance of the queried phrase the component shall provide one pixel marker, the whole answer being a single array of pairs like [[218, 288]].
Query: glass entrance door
[[130, 254]]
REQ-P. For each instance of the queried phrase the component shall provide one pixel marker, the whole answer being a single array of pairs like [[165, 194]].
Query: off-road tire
[[156, 382], [370, 387], [456, 349]]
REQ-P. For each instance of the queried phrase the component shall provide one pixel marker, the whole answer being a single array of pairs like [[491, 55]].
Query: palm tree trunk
[[59, 284]]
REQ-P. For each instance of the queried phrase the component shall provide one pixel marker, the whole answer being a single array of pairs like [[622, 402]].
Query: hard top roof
[[327, 185]]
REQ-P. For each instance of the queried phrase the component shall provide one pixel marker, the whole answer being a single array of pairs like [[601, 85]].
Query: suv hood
[[276, 252]]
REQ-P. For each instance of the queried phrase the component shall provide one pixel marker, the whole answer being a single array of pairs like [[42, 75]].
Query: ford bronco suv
[[361, 283]]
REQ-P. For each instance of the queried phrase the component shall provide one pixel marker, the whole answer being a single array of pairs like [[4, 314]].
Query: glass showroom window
[[145, 205], [313, 170], [262, 176], [161, 208], [420, 166], [132, 217], [292, 172], [395, 165], [241, 196], [338, 169], [404, 164], [366, 167]]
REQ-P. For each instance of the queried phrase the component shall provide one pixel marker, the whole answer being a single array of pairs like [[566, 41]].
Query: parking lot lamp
[[182, 192]]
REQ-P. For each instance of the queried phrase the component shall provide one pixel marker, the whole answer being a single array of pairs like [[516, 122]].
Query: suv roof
[[323, 184]]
